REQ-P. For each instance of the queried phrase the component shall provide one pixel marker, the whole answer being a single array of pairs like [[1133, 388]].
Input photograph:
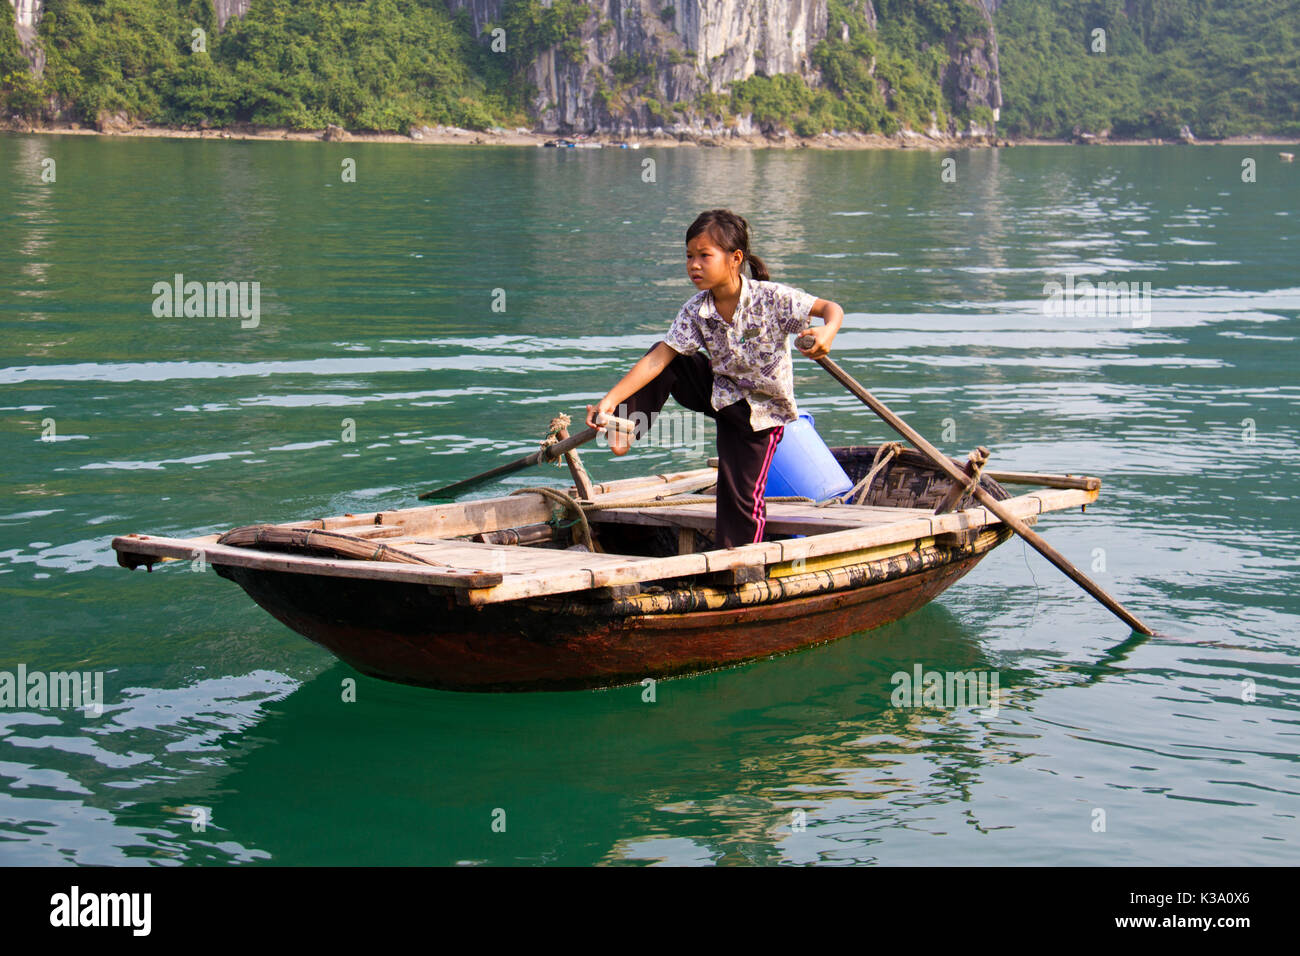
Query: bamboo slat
[[1085, 482]]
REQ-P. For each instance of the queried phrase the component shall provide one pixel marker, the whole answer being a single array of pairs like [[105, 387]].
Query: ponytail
[[731, 233]]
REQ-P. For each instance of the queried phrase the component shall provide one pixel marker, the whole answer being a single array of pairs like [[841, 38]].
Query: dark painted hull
[[415, 634]]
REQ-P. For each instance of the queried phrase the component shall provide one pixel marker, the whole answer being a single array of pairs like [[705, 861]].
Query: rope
[[584, 529], [559, 423], [884, 454]]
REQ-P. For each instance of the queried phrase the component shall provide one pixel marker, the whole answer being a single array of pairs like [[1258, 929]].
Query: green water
[[377, 306]]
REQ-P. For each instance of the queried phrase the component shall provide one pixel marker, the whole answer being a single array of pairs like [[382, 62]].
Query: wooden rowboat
[[493, 594]]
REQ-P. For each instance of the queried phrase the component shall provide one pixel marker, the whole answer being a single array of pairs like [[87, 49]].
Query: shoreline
[[453, 136]]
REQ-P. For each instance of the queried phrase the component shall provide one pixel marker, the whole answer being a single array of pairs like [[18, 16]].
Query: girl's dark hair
[[730, 232]]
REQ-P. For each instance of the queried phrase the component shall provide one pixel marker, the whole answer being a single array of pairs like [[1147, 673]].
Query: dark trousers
[[744, 455]]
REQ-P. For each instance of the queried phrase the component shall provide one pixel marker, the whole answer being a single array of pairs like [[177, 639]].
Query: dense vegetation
[[1221, 66], [377, 64], [876, 81], [14, 80]]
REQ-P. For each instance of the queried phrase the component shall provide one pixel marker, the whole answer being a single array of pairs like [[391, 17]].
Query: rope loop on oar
[[884, 454], [559, 423], [977, 458]]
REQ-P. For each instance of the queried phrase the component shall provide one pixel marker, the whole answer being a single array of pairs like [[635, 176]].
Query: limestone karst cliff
[[570, 66], [225, 9], [696, 46], [27, 14], [973, 75]]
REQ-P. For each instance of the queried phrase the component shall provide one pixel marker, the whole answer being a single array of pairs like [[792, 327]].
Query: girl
[[746, 384]]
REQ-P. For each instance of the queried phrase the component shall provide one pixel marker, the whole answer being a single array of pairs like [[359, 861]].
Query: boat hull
[[415, 634], [494, 595]]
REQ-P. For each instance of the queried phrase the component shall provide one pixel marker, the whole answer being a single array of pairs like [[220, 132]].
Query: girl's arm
[[832, 315], [641, 374]]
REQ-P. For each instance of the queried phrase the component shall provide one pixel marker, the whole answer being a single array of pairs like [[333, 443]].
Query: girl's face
[[708, 265]]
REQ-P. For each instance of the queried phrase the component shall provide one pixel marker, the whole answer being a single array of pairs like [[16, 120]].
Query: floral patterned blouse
[[751, 354]]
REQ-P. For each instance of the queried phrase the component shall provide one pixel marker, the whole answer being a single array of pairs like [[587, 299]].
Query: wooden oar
[[548, 453], [982, 496]]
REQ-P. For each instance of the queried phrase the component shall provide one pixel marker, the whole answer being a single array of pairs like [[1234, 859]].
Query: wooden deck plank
[[183, 549], [445, 521], [527, 560], [691, 485], [782, 517], [646, 482], [509, 559]]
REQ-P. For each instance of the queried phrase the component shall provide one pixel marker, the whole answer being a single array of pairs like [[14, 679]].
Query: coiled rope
[[567, 504], [884, 454]]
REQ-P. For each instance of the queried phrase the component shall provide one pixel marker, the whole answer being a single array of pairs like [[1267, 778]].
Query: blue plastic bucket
[[803, 465]]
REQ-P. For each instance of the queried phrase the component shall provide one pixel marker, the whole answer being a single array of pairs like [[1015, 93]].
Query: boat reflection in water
[[711, 768]]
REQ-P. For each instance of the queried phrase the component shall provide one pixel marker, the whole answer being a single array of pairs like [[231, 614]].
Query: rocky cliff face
[[27, 13], [734, 39], [695, 46], [972, 74], [225, 9], [677, 51]]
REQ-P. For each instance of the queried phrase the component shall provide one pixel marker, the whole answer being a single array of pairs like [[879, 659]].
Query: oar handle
[[614, 422]]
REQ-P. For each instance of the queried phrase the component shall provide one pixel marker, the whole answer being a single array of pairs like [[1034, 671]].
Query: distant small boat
[[563, 143], [1287, 157], [495, 594]]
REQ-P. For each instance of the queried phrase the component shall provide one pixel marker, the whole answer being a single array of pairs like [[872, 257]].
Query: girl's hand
[[619, 442], [606, 407], [821, 347]]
